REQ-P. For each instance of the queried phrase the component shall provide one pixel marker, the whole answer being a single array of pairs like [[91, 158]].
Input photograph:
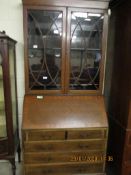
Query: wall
[[11, 20]]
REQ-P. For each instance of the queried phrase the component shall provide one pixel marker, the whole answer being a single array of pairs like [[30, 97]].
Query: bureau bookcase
[[64, 126]]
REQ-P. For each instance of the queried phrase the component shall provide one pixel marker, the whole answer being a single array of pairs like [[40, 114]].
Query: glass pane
[[86, 50], [13, 85], [3, 132], [44, 49]]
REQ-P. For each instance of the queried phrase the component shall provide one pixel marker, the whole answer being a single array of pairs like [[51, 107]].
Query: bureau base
[[64, 135]]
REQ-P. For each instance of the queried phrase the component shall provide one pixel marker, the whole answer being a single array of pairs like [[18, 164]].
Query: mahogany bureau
[[64, 135]]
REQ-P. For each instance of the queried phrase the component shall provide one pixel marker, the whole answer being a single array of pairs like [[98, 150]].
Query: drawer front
[[63, 169], [87, 134], [44, 135], [64, 145], [89, 157], [3, 147], [127, 156]]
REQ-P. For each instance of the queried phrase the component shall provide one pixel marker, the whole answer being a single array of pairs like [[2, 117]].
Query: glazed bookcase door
[[3, 132], [45, 53], [65, 50], [85, 53]]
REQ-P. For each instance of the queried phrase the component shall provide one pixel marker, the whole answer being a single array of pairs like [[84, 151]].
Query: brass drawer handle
[[45, 148], [83, 146], [49, 159], [46, 137], [80, 170], [47, 171], [84, 135], [49, 147]]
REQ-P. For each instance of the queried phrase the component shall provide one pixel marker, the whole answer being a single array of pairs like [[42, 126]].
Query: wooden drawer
[[44, 135], [63, 169], [127, 155], [87, 134], [52, 157], [59, 146]]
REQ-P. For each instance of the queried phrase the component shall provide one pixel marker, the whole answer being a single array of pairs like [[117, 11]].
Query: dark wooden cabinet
[[118, 86], [9, 135]]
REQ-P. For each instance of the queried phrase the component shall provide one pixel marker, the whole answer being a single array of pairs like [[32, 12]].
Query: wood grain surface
[[59, 112]]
